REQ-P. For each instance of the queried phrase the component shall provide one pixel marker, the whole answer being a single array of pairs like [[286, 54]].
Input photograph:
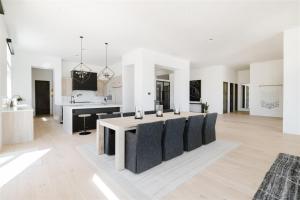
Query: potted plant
[[19, 99], [205, 107]]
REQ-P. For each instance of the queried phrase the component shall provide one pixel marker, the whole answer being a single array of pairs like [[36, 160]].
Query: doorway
[[245, 98], [225, 97], [231, 97], [164, 87], [163, 93], [236, 87], [42, 97]]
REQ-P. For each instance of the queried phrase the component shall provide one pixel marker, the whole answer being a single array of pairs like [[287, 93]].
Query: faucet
[[75, 96], [14, 100], [105, 100]]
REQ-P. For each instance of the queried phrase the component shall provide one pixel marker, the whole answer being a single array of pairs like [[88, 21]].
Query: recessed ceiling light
[[211, 39]]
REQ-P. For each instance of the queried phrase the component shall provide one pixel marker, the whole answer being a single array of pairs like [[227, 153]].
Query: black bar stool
[[84, 132], [99, 114]]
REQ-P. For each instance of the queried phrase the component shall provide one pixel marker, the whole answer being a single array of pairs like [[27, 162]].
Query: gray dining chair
[[172, 140], [192, 137], [109, 135], [209, 128], [143, 147]]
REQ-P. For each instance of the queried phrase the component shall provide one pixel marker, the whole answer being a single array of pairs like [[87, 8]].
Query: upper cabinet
[[116, 82], [101, 85], [66, 89], [89, 81]]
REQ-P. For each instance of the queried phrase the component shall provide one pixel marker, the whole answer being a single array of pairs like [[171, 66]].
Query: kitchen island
[[73, 123], [17, 124]]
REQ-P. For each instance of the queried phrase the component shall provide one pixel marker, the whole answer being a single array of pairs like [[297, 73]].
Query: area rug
[[159, 181], [282, 180]]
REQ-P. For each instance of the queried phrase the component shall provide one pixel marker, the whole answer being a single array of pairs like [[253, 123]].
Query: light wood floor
[[63, 174]]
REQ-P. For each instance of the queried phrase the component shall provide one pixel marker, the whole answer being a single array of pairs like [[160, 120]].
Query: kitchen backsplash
[[85, 96]]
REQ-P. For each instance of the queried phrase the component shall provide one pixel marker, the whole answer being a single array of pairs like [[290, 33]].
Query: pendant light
[[81, 72], [106, 73]]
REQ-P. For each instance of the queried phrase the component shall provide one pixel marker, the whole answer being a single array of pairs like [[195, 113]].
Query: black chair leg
[[84, 132]]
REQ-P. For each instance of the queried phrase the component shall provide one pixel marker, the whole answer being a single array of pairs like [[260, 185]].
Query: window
[[8, 74]]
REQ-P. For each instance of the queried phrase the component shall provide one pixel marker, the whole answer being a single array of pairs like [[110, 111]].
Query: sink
[[76, 102]]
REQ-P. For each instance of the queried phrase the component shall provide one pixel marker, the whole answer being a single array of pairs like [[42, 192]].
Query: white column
[[291, 90], [100, 138], [120, 149]]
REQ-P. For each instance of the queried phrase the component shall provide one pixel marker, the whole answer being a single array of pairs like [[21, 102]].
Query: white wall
[[212, 78], [262, 74], [22, 63], [3, 62], [144, 62], [3, 57], [128, 86], [291, 107], [243, 76], [211, 86], [42, 75]]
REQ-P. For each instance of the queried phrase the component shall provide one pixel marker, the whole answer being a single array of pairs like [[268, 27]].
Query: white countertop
[[89, 105], [17, 108]]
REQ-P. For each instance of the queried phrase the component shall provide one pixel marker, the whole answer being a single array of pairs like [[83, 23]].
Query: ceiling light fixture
[[81, 72], [107, 73]]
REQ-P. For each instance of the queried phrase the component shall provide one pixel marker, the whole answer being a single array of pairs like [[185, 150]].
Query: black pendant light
[[81, 72], [106, 73]]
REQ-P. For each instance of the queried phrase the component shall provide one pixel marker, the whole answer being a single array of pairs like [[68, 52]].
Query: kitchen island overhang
[[72, 123]]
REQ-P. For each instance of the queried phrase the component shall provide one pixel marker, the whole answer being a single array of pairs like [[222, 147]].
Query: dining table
[[123, 124]]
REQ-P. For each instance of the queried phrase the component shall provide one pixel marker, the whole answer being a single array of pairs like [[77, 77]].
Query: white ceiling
[[243, 31]]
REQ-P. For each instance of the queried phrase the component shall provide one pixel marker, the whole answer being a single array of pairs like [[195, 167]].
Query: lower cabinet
[[90, 122]]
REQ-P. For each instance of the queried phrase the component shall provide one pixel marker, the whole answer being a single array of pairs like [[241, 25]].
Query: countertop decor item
[[82, 72], [138, 113], [177, 111], [159, 113], [106, 73], [205, 107]]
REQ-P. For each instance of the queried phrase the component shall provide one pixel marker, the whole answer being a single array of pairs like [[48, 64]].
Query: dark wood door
[[231, 97], [243, 96], [225, 97], [42, 97], [236, 97]]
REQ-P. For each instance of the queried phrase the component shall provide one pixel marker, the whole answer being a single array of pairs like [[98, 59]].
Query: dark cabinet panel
[[90, 122], [89, 84]]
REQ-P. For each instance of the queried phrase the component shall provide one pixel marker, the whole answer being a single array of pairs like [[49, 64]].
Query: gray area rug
[[282, 180], [156, 182]]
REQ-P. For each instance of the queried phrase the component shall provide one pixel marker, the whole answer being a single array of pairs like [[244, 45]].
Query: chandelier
[[106, 73], [81, 72]]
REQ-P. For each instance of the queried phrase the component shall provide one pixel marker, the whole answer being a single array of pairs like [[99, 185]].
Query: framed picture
[[195, 90]]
